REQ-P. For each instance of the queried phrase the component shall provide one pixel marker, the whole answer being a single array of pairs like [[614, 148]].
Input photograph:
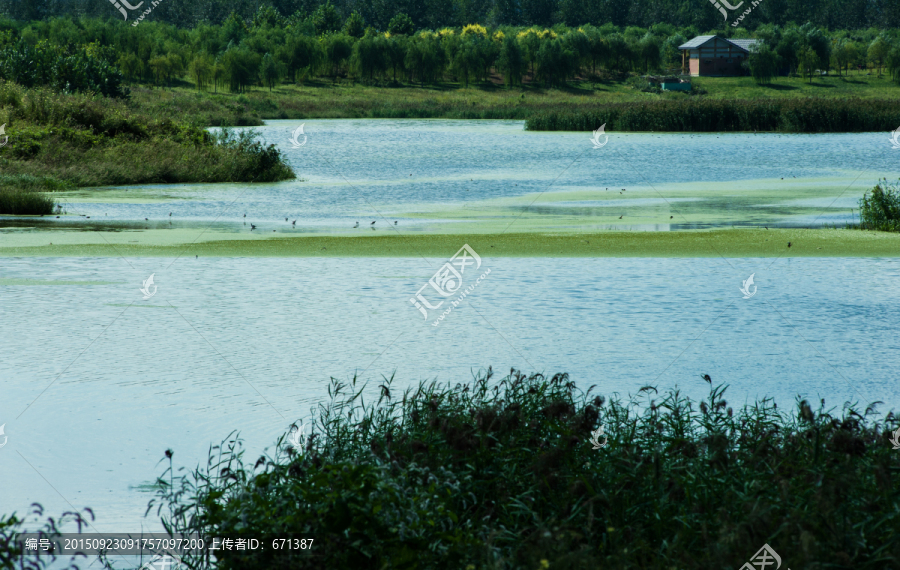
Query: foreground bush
[[504, 476], [13, 556], [881, 209], [806, 115]]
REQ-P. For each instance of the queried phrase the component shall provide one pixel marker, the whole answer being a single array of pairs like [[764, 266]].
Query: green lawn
[[346, 99]]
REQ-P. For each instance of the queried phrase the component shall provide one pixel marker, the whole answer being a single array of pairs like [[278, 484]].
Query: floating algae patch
[[139, 305], [141, 194], [666, 207]]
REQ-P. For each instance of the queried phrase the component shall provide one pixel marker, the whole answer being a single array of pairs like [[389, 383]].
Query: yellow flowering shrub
[[475, 29]]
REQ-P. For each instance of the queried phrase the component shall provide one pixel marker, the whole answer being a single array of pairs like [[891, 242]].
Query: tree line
[[436, 14], [91, 54]]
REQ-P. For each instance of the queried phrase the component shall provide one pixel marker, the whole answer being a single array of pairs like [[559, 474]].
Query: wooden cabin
[[712, 56]]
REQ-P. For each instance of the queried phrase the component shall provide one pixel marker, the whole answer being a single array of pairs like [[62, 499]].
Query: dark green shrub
[[880, 210]]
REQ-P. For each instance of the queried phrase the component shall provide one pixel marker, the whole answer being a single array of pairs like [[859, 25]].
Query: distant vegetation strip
[[808, 115], [273, 48]]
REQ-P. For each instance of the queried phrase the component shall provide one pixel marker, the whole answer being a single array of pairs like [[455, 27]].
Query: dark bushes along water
[[69, 140], [503, 475], [880, 208], [800, 115]]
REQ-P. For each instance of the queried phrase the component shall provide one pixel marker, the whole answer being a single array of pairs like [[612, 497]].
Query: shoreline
[[743, 243]]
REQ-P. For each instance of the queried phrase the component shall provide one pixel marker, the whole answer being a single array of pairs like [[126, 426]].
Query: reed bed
[[27, 195], [86, 140], [809, 115], [496, 475], [880, 209]]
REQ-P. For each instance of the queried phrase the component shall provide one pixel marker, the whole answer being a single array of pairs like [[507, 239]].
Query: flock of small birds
[[294, 223]]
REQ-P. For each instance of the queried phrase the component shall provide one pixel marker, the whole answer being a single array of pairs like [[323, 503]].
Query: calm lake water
[[96, 383], [436, 175]]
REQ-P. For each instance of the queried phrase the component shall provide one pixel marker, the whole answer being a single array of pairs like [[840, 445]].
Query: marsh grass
[[502, 475], [812, 115], [880, 209], [85, 140], [27, 195]]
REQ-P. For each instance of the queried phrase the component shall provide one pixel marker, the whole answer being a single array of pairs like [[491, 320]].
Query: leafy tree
[[240, 67], [555, 62], [234, 29], [580, 46], [326, 18], [763, 62], [619, 53], [512, 62], [266, 15], [425, 57], [818, 42], [159, 65], [355, 26], [807, 62], [201, 69], [530, 41], [269, 71], [465, 59], [338, 49], [401, 24], [130, 65], [878, 51], [670, 53], [395, 48], [299, 52], [369, 56], [649, 50]]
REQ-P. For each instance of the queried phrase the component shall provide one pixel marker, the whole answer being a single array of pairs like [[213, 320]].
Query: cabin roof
[[696, 42], [700, 40]]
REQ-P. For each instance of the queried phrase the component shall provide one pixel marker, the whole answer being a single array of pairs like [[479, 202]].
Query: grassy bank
[[504, 475], [66, 140], [324, 100], [714, 243]]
